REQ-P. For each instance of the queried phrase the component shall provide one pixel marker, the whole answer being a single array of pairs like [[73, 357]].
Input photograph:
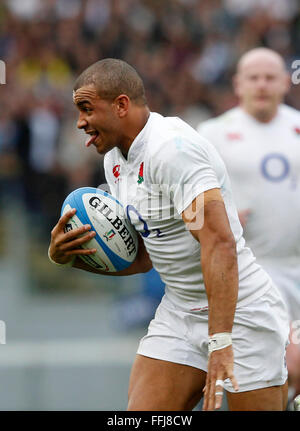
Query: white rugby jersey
[[263, 163], [167, 166]]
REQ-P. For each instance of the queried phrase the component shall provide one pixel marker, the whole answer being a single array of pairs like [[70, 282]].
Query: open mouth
[[93, 136]]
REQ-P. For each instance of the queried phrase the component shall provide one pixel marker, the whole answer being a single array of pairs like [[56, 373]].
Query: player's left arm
[[207, 220]]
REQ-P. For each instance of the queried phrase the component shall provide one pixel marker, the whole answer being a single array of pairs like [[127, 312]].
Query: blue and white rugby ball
[[116, 240]]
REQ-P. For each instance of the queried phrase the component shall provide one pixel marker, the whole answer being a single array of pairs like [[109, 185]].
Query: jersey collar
[[140, 140]]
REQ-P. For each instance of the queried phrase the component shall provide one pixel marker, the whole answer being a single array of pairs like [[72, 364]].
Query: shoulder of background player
[[290, 112], [214, 125]]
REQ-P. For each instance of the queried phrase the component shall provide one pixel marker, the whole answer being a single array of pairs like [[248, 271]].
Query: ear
[[121, 104]]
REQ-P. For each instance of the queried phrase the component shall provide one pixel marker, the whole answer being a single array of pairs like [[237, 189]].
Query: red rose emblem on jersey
[[116, 171], [141, 173]]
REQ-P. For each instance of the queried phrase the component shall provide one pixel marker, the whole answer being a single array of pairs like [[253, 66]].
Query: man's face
[[261, 84], [98, 118]]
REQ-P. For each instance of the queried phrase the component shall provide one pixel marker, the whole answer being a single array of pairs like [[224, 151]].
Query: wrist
[[67, 264], [219, 341]]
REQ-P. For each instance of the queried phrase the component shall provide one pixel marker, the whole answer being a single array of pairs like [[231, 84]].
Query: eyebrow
[[82, 102]]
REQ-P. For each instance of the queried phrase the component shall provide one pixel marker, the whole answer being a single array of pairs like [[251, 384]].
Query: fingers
[[214, 391], [234, 383], [80, 252], [62, 237], [213, 394], [218, 394], [65, 244], [63, 220], [220, 367], [77, 242], [71, 235]]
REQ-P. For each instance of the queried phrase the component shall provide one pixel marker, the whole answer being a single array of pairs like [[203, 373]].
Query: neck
[[261, 116], [135, 123]]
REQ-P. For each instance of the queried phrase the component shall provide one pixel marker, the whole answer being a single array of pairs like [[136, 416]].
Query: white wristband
[[68, 264], [219, 341]]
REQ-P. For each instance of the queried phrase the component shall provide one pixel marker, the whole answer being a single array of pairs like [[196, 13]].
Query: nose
[[262, 82], [81, 122]]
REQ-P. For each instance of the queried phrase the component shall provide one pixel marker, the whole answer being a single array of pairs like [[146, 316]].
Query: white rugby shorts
[[259, 336]]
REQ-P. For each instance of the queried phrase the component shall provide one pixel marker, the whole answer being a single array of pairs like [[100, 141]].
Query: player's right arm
[[65, 245]]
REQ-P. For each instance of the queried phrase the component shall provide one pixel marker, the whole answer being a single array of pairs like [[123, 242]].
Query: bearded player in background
[[259, 142], [221, 322]]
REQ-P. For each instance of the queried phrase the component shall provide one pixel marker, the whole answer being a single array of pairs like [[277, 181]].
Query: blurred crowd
[[185, 50]]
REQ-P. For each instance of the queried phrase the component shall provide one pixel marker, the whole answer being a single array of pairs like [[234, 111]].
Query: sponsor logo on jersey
[[234, 136], [297, 130], [141, 174], [200, 308], [116, 171], [109, 234]]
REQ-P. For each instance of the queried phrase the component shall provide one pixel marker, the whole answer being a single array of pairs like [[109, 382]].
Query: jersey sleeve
[[184, 169]]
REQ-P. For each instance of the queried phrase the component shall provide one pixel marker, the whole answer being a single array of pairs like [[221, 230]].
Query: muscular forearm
[[220, 272]]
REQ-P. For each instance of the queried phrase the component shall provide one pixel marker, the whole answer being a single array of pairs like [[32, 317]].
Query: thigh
[[162, 385], [266, 399]]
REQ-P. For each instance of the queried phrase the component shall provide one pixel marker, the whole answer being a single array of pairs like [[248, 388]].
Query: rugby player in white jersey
[[221, 321], [259, 142]]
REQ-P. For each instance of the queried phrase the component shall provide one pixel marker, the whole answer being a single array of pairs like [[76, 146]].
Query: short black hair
[[112, 77]]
